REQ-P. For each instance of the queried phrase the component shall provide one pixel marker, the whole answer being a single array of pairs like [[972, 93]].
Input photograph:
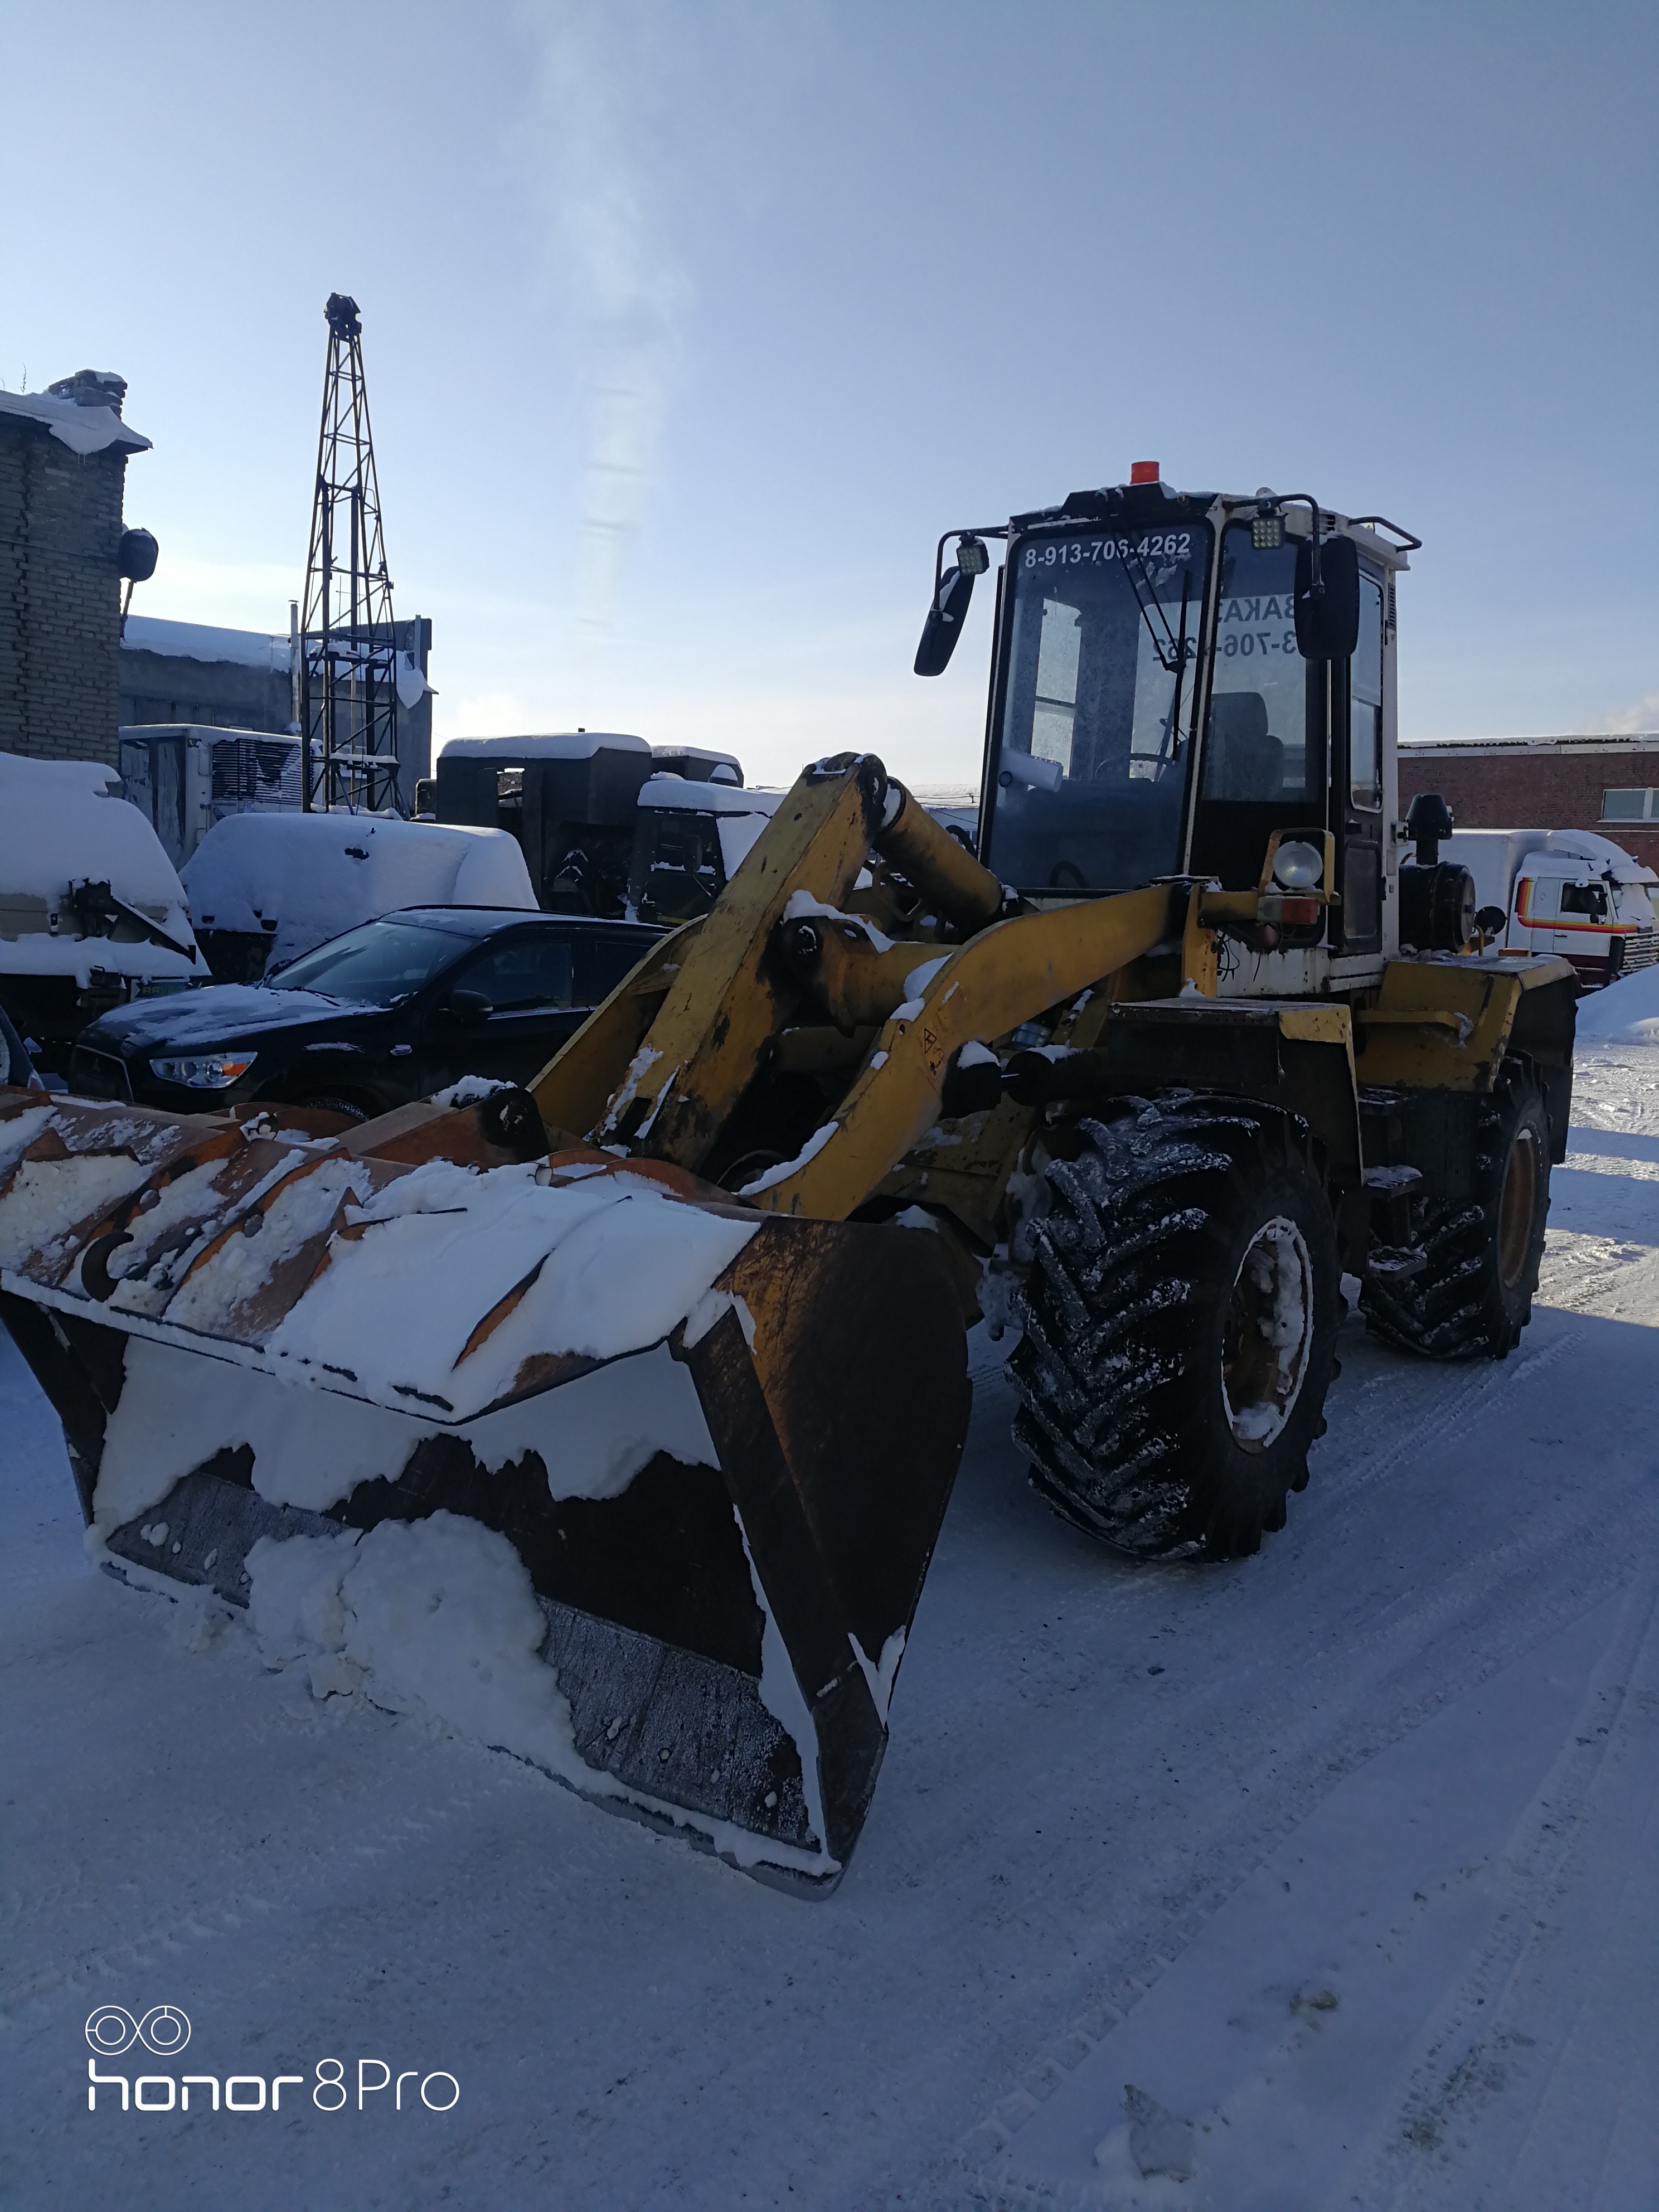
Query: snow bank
[[317, 875], [64, 823], [1626, 1012]]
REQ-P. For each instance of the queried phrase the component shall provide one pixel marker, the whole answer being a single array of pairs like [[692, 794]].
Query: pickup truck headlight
[[210, 1070]]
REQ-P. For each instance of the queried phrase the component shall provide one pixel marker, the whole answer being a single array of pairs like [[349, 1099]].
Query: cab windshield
[[1089, 772], [375, 965]]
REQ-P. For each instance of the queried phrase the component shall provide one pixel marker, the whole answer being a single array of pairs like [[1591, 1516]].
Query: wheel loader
[[613, 1420]]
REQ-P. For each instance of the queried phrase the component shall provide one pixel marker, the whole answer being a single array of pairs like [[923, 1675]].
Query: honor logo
[[165, 2031]]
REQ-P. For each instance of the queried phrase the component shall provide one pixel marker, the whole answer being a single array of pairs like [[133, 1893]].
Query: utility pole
[[348, 647]]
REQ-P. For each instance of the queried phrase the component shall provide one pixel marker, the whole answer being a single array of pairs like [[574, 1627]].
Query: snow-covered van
[[266, 887], [1567, 891], [92, 912]]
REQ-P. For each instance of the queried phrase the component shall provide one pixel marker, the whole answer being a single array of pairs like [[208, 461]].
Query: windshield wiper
[[1171, 650], [1170, 748]]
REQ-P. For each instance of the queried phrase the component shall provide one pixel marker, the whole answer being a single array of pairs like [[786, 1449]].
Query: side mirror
[[1327, 620], [1491, 919], [943, 627], [469, 1008]]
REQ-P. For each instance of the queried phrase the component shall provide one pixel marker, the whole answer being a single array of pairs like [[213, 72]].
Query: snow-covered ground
[[1345, 1856]]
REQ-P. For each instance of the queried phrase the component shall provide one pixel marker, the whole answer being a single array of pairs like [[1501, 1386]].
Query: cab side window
[[1365, 740], [1256, 745], [535, 969], [1584, 898]]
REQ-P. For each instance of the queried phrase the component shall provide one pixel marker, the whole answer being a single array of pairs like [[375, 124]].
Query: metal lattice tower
[[348, 658]]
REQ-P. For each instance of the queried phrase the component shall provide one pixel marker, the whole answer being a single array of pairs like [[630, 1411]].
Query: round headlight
[[1298, 866]]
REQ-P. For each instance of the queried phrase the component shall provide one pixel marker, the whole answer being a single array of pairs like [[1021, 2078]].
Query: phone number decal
[[1091, 552]]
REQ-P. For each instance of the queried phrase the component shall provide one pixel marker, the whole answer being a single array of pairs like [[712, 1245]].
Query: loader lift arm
[[781, 944]]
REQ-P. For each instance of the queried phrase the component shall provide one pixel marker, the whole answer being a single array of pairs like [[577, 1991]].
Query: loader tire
[[1180, 1325], [1474, 1297]]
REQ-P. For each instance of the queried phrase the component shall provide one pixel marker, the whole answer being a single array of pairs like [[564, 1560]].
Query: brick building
[[63, 464], [1610, 785]]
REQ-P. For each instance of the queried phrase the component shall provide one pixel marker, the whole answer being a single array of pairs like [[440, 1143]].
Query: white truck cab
[[1566, 892]]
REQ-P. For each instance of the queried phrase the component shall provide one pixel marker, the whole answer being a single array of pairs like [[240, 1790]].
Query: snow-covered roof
[[248, 649], [663, 790], [315, 875], [1602, 852], [83, 429], [560, 744], [1638, 741]]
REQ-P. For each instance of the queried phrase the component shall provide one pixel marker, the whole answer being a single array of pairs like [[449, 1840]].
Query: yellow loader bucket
[[602, 1466]]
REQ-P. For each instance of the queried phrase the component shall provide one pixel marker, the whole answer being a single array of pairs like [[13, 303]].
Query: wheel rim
[[1269, 1334], [1517, 1207]]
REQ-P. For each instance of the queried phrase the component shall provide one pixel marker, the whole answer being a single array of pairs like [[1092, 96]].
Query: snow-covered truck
[[572, 800], [1567, 891], [184, 777], [264, 887], [92, 911], [691, 835]]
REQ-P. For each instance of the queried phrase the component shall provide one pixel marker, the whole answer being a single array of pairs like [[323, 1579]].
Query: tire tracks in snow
[[1378, 1683], [313, 1862], [1475, 2042]]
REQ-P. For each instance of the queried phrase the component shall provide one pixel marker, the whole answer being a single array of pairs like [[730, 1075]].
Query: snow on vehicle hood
[[220, 1014]]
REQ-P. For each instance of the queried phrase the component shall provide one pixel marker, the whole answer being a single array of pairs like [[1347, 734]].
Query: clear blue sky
[[689, 326]]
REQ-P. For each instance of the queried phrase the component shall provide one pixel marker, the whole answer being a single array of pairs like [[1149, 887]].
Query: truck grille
[[1641, 949], [99, 1074]]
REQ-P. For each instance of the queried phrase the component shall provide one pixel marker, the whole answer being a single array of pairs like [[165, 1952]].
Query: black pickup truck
[[388, 1012]]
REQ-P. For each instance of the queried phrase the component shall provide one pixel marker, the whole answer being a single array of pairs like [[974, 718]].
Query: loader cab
[[1164, 701]]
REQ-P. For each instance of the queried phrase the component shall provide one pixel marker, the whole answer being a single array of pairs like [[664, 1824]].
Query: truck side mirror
[[1327, 618], [468, 1008], [943, 627]]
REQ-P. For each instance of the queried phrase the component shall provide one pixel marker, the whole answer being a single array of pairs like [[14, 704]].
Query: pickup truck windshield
[[375, 965], [1091, 768]]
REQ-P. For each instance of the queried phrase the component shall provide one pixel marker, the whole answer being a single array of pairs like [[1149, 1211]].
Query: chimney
[[91, 387]]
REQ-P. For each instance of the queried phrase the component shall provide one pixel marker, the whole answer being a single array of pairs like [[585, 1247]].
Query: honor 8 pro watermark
[[163, 2032]]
